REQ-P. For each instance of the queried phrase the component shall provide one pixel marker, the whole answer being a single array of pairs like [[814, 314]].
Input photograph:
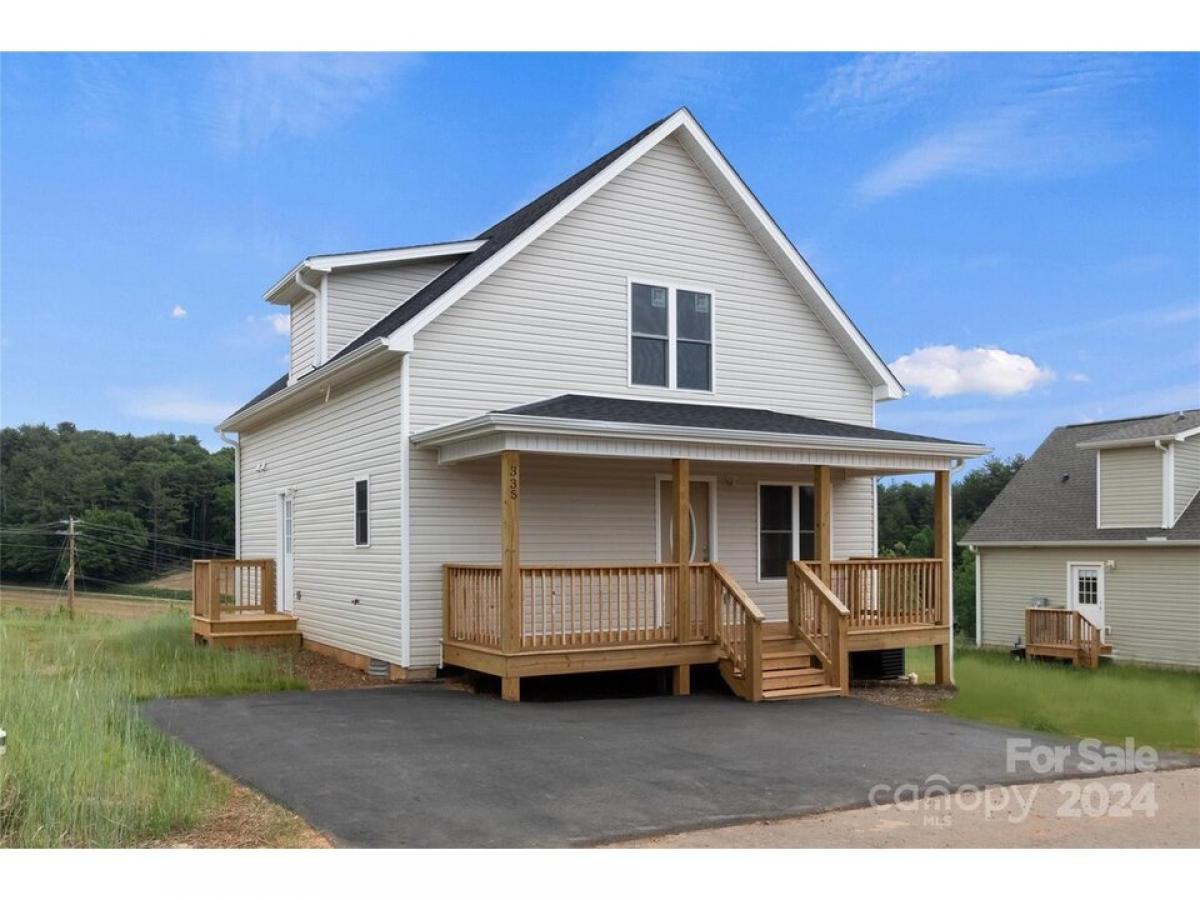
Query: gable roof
[[1148, 430], [507, 237], [1052, 498]]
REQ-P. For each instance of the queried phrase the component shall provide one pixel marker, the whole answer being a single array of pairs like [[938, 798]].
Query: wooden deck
[[233, 605], [1063, 634]]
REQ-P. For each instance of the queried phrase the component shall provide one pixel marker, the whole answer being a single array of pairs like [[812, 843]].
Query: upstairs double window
[[670, 337]]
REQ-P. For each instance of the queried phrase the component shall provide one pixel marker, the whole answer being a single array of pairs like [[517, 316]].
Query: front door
[[701, 546], [285, 555], [1087, 591]]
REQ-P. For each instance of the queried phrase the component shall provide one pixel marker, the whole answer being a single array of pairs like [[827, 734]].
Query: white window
[[786, 527], [670, 336], [362, 514]]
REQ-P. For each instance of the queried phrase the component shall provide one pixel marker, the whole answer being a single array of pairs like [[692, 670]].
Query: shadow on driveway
[[422, 766]]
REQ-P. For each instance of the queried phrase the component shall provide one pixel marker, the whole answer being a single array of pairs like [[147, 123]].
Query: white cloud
[[1080, 377], [1054, 120], [178, 312], [171, 405], [878, 82], [945, 370], [253, 98], [280, 323]]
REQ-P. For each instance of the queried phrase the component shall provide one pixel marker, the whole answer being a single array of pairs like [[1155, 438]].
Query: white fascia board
[[886, 385], [306, 385], [481, 426], [328, 262], [1144, 440]]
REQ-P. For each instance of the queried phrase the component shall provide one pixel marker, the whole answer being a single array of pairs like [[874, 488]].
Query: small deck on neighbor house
[[233, 605], [514, 621], [1064, 634]]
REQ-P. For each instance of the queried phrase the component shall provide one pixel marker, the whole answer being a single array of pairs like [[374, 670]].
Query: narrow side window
[[362, 523]]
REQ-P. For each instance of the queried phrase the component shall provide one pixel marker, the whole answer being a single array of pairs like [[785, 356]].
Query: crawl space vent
[[378, 668]]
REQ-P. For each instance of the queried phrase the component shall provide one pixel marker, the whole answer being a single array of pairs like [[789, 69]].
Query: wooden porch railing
[[566, 606], [1063, 630], [577, 606], [889, 593], [232, 586], [822, 620], [738, 630]]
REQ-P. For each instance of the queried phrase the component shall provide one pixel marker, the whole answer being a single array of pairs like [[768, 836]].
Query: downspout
[[318, 315], [1168, 482], [236, 444], [405, 514]]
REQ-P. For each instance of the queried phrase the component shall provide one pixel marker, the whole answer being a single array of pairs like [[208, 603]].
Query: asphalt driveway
[[423, 766]]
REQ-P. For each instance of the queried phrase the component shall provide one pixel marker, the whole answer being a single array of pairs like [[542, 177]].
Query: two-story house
[[625, 427], [1093, 548]]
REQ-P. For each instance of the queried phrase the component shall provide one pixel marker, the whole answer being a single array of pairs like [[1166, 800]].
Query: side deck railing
[[1065, 631], [822, 620], [224, 586], [888, 593]]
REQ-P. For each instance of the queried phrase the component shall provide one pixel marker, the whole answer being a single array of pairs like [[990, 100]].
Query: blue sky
[[1019, 234]]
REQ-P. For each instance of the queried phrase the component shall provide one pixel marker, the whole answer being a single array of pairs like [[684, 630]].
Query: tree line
[[906, 524], [143, 504]]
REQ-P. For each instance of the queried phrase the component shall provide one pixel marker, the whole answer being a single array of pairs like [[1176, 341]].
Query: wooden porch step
[[787, 660], [793, 678], [800, 693], [289, 640], [241, 623]]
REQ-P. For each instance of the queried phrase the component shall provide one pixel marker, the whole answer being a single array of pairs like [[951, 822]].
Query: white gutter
[[307, 383], [1148, 541], [236, 444], [493, 422]]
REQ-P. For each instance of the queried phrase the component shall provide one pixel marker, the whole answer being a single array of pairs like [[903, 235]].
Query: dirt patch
[[248, 820], [1070, 813], [923, 697], [322, 673]]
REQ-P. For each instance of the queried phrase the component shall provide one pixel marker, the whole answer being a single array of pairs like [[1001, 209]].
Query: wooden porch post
[[510, 565], [823, 519], [682, 540], [943, 552]]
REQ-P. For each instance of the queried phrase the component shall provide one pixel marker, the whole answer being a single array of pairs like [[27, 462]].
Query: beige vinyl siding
[[554, 320], [576, 510], [318, 451], [1131, 487], [356, 300], [1187, 473], [304, 337], [1151, 596]]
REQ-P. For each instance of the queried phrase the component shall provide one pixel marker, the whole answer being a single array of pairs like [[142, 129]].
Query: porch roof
[[620, 426]]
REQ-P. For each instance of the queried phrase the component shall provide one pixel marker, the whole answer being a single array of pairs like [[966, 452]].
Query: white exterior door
[[285, 555], [1086, 591]]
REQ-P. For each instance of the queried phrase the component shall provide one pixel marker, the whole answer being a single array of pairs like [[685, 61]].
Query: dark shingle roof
[[498, 236], [1152, 426], [703, 415], [1040, 504]]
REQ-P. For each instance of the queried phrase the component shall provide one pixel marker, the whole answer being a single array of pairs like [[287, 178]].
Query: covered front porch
[[712, 587]]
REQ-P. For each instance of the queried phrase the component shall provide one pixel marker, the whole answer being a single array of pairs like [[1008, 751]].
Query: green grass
[[1158, 707], [83, 769]]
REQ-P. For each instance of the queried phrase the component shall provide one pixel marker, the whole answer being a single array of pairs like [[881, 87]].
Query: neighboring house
[[598, 436], [1104, 521]]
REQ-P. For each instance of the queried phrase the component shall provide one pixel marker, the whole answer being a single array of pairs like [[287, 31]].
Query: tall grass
[[83, 769], [1153, 706]]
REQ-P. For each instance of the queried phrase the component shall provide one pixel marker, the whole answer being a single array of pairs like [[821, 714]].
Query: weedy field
[[1158, 707], [83, 769]]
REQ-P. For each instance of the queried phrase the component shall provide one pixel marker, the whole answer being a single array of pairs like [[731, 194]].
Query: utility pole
[[71, 567]]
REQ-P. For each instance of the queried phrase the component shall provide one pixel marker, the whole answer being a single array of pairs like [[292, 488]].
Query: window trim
[[673, 287], [360, 479], [795, 486]]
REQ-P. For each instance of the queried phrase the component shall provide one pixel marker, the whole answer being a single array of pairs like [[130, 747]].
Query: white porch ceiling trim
[[490, 434]]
